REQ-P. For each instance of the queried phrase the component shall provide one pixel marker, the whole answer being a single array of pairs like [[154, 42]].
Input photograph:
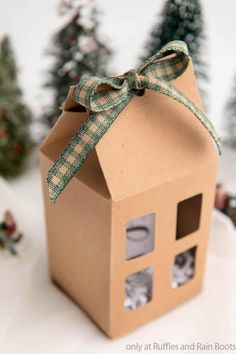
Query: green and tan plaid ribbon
[[105, 98]]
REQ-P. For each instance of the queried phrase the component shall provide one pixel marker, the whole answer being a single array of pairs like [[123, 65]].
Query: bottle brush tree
[[76, 50], [180, 20], [15, 117]]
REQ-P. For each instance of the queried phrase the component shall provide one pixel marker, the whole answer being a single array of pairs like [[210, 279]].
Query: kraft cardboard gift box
[[150, 179]]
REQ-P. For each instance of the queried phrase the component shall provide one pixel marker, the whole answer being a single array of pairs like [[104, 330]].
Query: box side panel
[[78, 233], [163, 201]]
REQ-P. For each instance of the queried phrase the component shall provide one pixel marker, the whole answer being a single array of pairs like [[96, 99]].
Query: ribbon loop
[[106, 97]]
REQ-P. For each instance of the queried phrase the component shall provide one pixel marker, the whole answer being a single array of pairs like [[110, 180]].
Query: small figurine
[[9, 234], [226, 202], [221, 198], [231, 211]]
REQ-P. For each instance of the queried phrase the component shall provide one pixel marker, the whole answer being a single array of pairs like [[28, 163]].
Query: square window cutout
[[188, 216], [138, 288], [140, 236], [184, 267]]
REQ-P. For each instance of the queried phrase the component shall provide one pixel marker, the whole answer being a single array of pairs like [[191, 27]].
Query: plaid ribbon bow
[[106, 97]]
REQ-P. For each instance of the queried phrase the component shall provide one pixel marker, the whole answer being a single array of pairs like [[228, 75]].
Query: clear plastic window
[[184, 267], [140, 236], [138, 288]]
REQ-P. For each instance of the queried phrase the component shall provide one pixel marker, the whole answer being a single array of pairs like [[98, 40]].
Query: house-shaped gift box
[[127, 239]]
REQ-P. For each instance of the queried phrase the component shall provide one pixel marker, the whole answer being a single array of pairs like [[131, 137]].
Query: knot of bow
[[104, 99]]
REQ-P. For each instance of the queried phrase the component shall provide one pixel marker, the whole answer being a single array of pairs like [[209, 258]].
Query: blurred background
[[45, 46]]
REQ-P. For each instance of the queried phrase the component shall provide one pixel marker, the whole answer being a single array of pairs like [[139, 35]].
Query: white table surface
[[37, 318]]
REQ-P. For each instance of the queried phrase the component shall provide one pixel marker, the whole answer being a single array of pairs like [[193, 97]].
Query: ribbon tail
[[80, 146], [170, 90]]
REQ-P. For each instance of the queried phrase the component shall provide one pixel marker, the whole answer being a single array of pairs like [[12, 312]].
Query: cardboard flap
[[70, 104], [65, 128], [155, 139]]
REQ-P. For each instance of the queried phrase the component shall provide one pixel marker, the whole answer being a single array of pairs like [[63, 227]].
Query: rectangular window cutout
[[188, 216], [140, 236], [138, 288], [184, 267]]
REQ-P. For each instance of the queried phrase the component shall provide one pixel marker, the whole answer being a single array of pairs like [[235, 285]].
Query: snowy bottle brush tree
[[77, 50], [15, 118], [180, 20]]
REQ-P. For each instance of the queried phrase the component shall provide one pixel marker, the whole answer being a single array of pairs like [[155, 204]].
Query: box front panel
[[163, 272]]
